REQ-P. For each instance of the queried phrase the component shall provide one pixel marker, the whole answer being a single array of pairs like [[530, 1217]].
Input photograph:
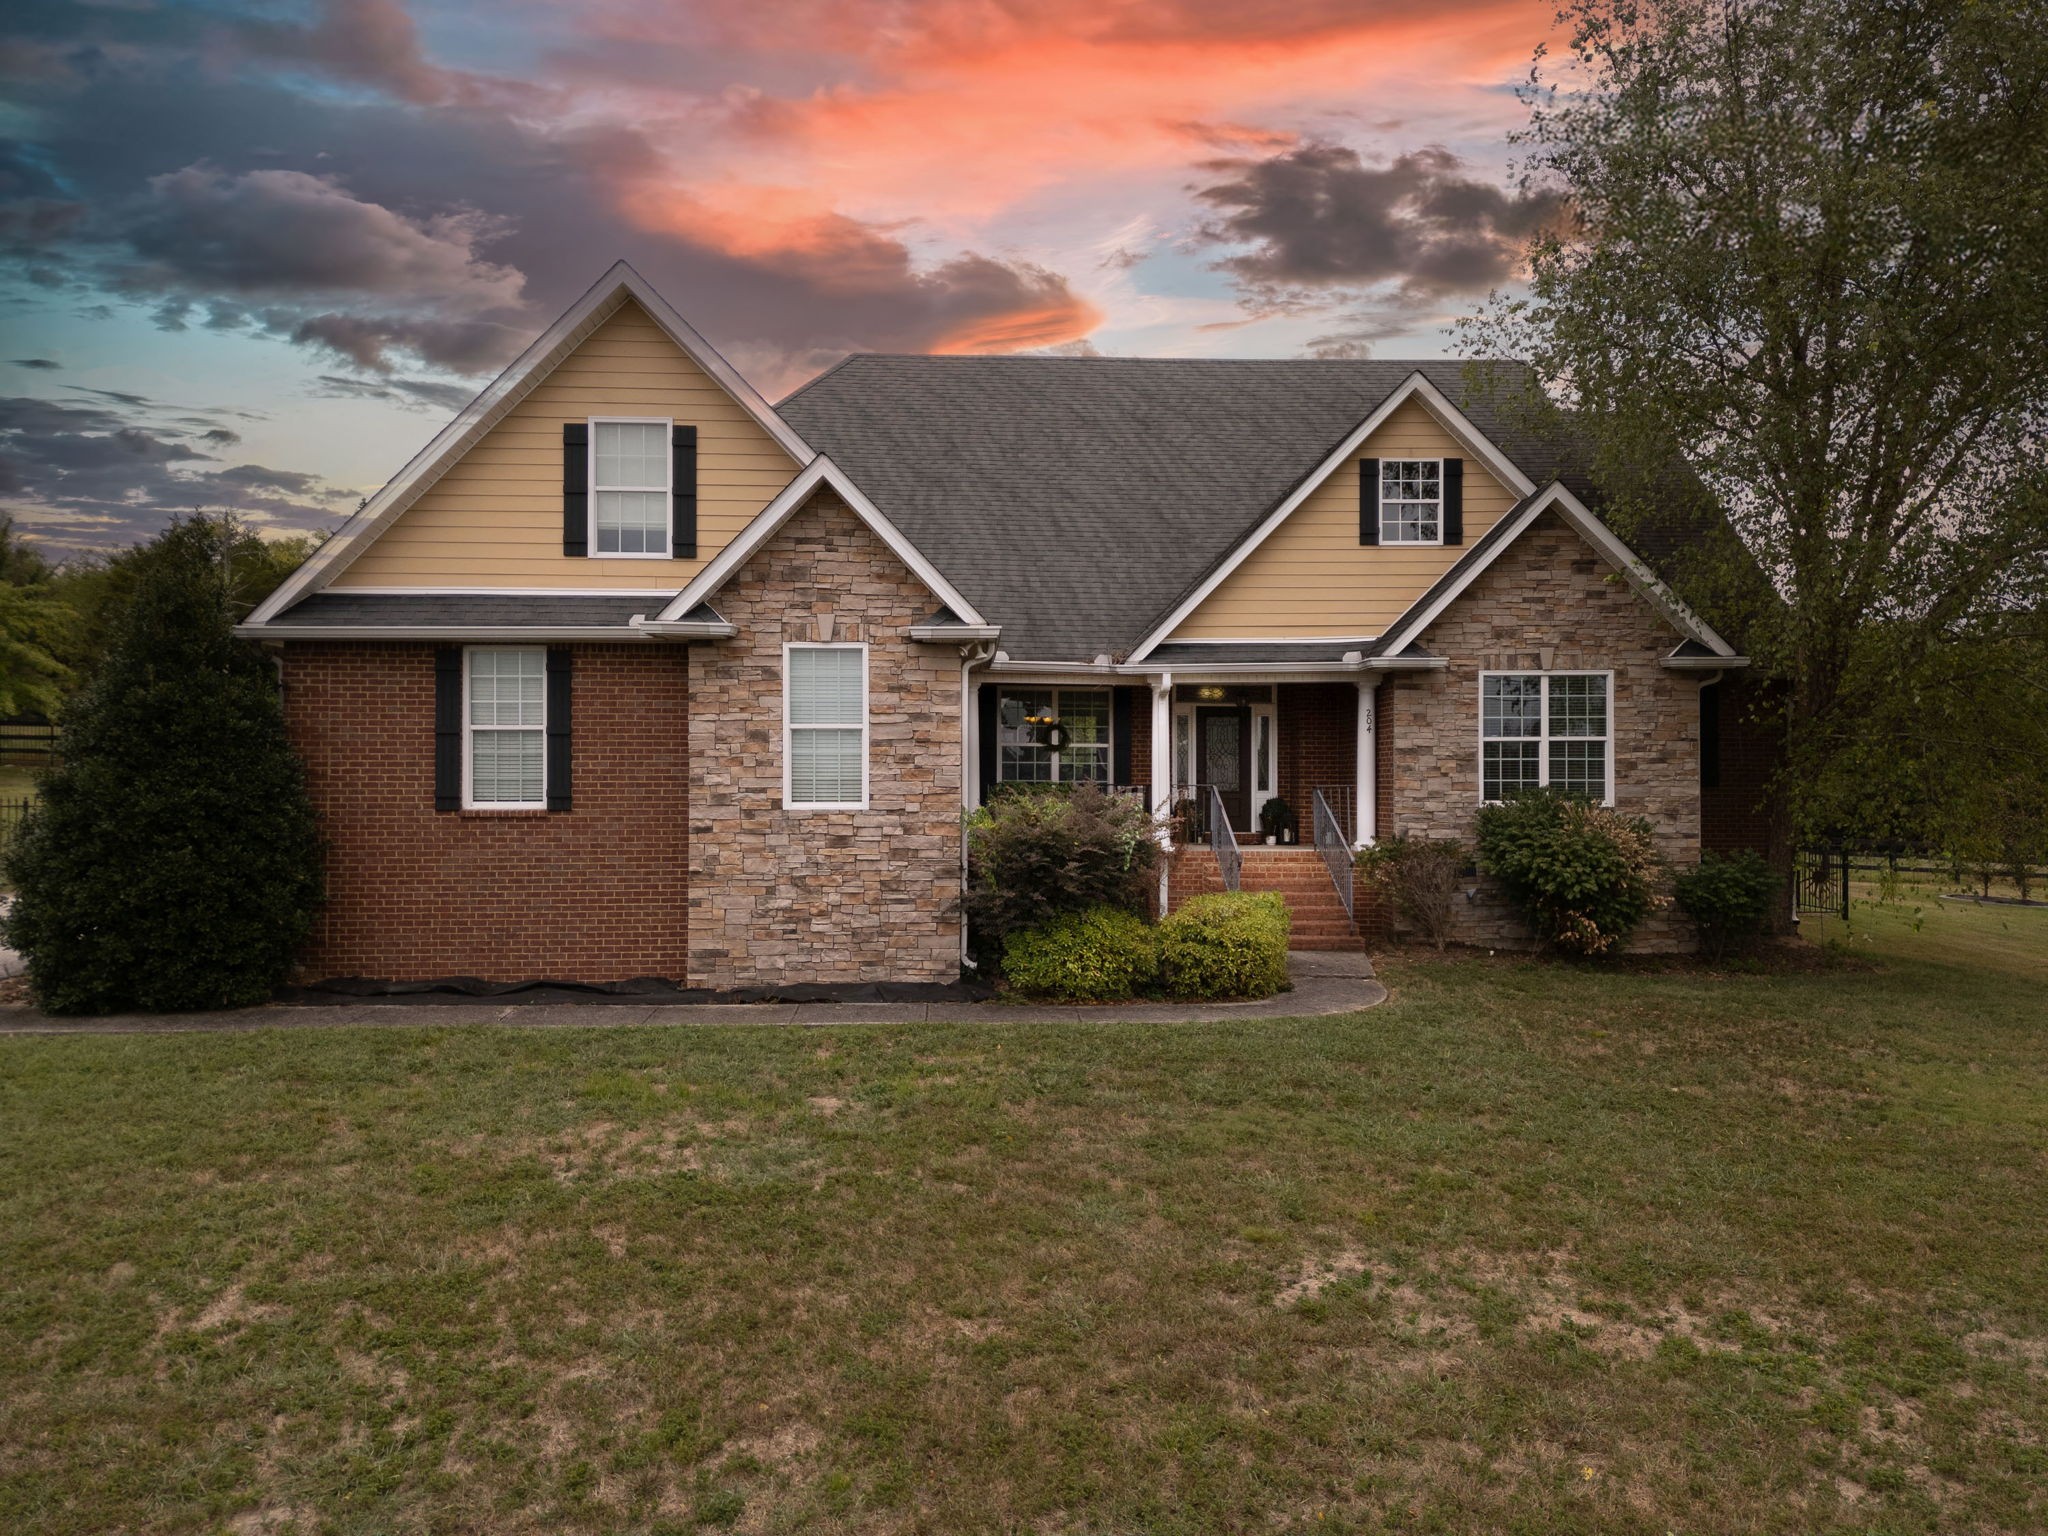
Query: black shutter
[[985, 703], [1454, 501], [576, 488], [1122, 706], [683, 526], [448, 728], [1710, 736], [558, 728], [1368, 501]]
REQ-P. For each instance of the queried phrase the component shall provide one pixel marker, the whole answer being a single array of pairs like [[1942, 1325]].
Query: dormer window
[[1411, 501]]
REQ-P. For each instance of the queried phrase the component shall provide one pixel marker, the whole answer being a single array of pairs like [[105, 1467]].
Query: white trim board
[[604, 299], [1415, 387], [821, 471], [1431, 605]]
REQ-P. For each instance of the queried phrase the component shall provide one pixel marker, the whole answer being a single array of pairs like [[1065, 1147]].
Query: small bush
[[1228, 945], [1103, 955], [1035, 856], [1580, 873], [1728, 899], [1418, 879]]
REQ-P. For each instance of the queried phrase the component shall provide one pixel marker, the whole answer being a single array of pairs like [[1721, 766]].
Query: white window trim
[[469, 799], [1108, 743], [1543, 738], [1387, 543], [1184, 710], [667, 488], [789, 802]]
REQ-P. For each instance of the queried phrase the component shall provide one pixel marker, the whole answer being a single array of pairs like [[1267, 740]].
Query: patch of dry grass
[[1532, 1247]]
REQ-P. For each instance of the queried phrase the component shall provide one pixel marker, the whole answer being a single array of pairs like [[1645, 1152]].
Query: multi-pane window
[[1411, 501], [1022, 755], [826, 740], [1544, 728], [506, 725], [630, 466]]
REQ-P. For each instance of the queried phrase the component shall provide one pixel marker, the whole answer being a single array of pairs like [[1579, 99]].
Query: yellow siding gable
[[495, 518], [1312, 578]]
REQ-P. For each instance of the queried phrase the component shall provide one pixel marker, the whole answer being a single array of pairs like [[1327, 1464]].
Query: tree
[[35, 625], [1806, 245], [173, 861], [97, 587]]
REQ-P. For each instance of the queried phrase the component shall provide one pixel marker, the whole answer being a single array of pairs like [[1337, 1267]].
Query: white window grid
[[1535, 731], [791, 728], [505, 725], [1079, 762], [632, 512], [1411, 501]]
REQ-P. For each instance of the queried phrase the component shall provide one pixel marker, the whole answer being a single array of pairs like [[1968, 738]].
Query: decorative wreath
[[1054, 735]]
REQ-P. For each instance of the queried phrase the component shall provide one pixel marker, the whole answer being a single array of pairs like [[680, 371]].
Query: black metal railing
[[1335, 849], [1229, 861], [1343, 802], [1820, 882]]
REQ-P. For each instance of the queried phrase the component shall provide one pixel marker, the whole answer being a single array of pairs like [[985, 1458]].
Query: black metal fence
[[1820, 883], [11, 812]]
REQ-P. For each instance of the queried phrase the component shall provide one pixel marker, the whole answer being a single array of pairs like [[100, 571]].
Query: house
[[630, 673]]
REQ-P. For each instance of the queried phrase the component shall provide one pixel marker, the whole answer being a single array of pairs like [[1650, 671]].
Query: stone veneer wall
[[1547, 604], [594, 893], [824, 896]]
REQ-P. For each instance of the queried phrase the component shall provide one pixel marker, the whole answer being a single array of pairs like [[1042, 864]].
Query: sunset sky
[[255, 254]]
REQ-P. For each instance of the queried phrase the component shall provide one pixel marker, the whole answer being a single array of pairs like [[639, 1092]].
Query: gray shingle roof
[[1075, 500], [431, 610]]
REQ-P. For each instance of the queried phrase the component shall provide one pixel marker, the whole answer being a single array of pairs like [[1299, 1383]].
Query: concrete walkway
[[1323, 984]]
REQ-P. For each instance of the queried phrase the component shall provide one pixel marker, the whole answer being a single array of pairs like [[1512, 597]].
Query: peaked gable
[[1312, 579], [481, 506]]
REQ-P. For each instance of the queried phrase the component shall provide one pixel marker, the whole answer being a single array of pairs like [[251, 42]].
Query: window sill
[[494, 813]]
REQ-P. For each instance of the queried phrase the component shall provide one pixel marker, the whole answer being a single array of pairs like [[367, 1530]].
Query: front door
[[1224, 747]]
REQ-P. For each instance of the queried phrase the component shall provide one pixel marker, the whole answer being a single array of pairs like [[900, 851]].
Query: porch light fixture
[[1209, 693]]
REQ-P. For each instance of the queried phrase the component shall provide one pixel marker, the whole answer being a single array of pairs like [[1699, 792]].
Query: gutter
[[499, 634], [1704, 663]]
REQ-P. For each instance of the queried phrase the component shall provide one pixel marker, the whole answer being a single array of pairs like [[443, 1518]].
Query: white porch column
[[1368, 829], [1162, 747]]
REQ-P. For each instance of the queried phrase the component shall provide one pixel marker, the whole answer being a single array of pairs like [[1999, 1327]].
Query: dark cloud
[[417, 394], [46, 364], [89, 476], [220, 437], [1319, 218], [227, 195]]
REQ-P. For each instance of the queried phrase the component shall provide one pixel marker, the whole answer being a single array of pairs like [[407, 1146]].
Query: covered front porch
[[1256, 752]]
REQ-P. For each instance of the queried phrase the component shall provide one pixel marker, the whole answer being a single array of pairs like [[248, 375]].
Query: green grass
[[1531, 1248]]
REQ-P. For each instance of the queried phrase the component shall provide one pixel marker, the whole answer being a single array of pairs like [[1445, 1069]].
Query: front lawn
[[1529, 1248]]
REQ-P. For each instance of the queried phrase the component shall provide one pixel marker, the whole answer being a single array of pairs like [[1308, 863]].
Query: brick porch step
[[1297, 874]]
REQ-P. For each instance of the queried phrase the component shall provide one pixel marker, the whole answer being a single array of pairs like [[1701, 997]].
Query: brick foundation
[[595, 893]]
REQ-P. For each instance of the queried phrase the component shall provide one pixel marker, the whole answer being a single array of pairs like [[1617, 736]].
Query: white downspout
[[1162, 774], [971, 656]]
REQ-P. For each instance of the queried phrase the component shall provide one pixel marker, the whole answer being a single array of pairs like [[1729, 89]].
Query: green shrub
[[1580, 873], [1034, 856], [1418, 879], [1228, 945], [1103, 955], [173, 861], [1728, 897]]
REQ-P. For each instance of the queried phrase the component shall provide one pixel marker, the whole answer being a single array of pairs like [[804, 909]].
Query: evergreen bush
[[1032, 856], [1102, 955], [1728, 897], [173, 862], [1233, 944], [1580, 873]]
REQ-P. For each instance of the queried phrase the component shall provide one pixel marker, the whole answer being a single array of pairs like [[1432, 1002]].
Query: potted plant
[[1276, 820]]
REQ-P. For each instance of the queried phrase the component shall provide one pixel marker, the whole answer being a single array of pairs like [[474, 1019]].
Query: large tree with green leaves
[[1806, 244], [173, 861]]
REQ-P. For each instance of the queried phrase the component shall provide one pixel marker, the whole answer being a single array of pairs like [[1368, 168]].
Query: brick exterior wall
[[1736, 814], [1548, 604], [824, 896], [595, 893], [1318, 725]]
